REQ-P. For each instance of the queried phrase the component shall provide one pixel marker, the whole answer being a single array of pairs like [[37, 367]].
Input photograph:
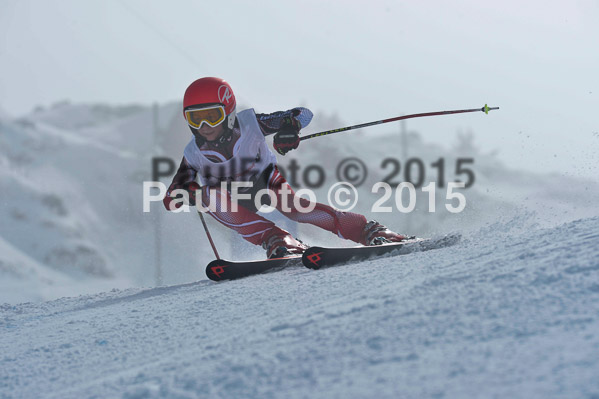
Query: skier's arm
[[286, 126], [272, 123], [184, 179]]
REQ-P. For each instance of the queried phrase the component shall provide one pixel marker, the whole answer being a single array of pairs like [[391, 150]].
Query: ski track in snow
[[506, 313]]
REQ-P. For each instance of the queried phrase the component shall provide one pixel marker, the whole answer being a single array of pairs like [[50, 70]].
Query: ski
[[318, 257], [221, 269]]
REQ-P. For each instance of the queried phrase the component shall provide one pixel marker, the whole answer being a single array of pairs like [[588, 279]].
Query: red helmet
[[211, 91]]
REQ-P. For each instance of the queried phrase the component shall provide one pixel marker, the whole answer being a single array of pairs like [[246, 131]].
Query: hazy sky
[[537, 60]]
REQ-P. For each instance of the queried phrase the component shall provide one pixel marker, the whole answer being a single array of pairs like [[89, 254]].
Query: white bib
[[251, 155]]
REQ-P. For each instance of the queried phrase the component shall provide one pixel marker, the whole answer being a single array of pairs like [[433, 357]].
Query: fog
[[360, 61], [90, 92]]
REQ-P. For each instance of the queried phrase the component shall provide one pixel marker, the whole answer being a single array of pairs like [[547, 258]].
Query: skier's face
[[211, 133]]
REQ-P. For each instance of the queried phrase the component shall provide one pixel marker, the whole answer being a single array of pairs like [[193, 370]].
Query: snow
[[23, 277], [509, 312], [71, 179], [512, 311]]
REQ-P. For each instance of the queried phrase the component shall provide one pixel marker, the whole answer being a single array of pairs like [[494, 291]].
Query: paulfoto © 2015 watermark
[[355, 171], [342, 195]]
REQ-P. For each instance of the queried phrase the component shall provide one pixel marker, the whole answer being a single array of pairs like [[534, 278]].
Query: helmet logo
[[224, 94]]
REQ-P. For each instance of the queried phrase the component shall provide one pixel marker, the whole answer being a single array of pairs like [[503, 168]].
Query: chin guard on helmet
[[231, 119]]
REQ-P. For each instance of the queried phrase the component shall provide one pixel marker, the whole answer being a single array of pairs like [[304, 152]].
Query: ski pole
[[484, 109], [206, 229]]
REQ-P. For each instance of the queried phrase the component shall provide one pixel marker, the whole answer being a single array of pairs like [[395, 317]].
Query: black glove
[[287, 138]]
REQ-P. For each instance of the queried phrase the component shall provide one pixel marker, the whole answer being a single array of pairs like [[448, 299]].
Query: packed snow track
[[512, 311]]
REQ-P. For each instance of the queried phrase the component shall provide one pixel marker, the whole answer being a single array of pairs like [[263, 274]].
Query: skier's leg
[[251, 226], [347, 225]]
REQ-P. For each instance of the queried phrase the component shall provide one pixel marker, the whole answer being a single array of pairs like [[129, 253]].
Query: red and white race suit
[[242, 155]]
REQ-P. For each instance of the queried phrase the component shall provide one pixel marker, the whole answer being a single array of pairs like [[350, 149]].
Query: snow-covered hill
[[512, 311], [71, 180], [70, 199]]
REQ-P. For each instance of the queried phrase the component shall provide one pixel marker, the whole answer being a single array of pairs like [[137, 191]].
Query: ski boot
[[280, 246], [375, 233]]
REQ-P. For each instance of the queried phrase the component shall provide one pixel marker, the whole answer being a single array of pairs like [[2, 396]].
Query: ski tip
[[216, 269]]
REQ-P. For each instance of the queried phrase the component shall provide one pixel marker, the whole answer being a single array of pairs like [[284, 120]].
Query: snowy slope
[[71, 179], [23, 278], [499, 192], [71, 194], [512, 311], [71, 197]]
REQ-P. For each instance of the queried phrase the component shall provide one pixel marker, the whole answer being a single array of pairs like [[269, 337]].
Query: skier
[[223, 141]]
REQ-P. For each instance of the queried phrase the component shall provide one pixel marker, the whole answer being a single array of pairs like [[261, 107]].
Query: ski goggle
[[213, 116]]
